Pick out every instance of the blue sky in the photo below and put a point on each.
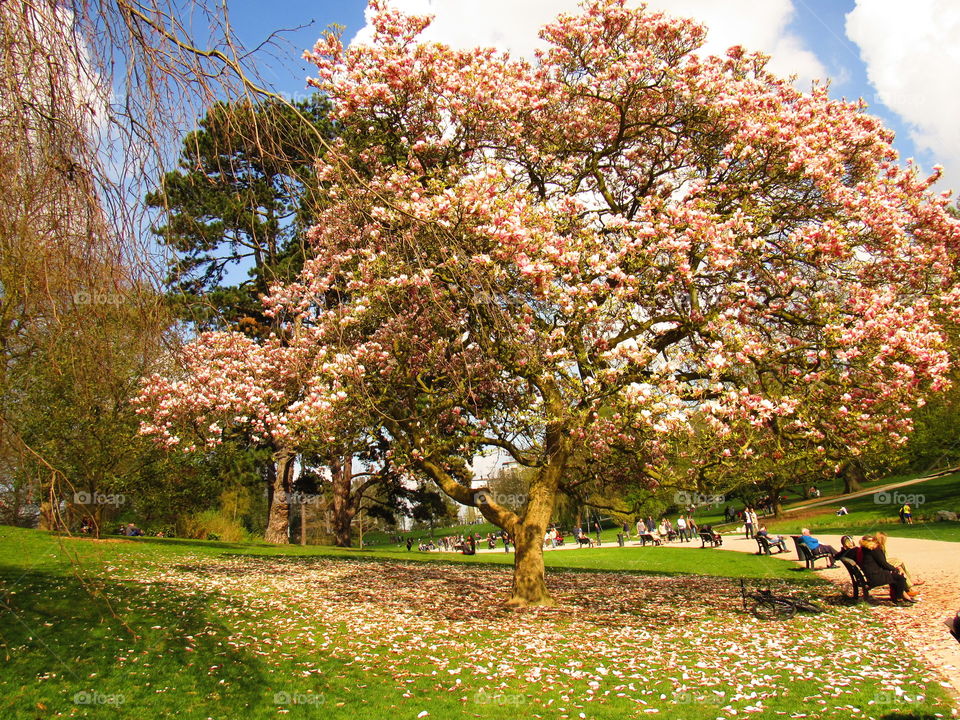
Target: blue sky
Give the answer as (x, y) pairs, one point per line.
(902, 57)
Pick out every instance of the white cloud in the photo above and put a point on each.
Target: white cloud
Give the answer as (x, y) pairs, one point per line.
(507, 24)
(513, 25)
(912, 52)
(755, 25)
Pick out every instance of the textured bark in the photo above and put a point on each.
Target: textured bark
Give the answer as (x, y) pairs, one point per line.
(344, 507)
(527, 529)
(46, 521)
(278, 524)
(269, 475)
(853, 476)
(529, 581)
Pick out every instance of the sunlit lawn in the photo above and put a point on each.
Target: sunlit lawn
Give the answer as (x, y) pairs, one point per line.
(164, 628)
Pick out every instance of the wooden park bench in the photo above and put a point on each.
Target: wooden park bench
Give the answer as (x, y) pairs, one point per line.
(858, 581)
(765, 547)
(804, 554)
(710, 539)
(648, 538)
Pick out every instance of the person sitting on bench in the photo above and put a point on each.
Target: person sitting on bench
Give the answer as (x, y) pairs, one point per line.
(847, 546)
(816, 548)
(873, 561)
(910, 593)
(772, 540)
(713, 534)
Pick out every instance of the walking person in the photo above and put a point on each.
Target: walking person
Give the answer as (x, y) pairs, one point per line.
(749, 517)
(682, 528)
(596, 529)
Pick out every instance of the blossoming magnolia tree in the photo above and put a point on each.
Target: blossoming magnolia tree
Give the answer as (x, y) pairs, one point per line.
(229, 382)
(572, 257)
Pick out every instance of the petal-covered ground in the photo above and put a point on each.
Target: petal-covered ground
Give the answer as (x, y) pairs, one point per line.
(924, 627)
(415, 641)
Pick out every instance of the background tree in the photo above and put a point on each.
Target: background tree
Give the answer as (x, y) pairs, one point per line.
(235, 386)
(242, 196)
(93, 97)
(432, 508)
(239, 202)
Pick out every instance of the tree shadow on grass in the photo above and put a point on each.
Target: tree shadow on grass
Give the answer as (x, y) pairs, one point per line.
(116, 649)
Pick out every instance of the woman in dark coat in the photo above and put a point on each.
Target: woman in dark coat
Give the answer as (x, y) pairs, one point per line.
(873, 561)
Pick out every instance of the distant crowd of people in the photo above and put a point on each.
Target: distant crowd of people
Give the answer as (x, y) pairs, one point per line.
(683, 529)
(466, 544)
(88, 527)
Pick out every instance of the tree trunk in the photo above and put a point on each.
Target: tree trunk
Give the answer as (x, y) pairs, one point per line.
(527, 530)
(269, 475)
(303, 522)
(278, 524)
(853, 476)
(47, 521)
(529, 581)
(343, 509)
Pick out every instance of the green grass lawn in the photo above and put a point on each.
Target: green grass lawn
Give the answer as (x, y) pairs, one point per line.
(150, 628)
(666, 560)
(878, 511)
